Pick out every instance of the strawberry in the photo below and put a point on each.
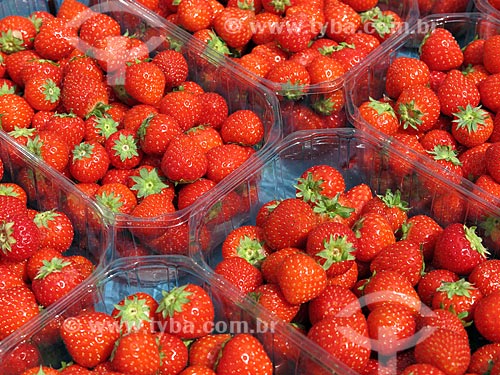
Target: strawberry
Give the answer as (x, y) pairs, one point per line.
(404, 72)
(156, 132)
(319, 181)
(271, 297)
(335, 300)
(20, 237)
(344, 337)
(214, 109)
(16, 62)
(472, 126)
(277, 6)
(431, 281)
(242, 127)
(55, 40)
(488, 90)
(272, 263)
(205, 350)
(9, 278)
(390, 326)
(451, 93)
(293, 76)
(15, 111)
(491, 49)
(298, 31)
(301, 278)
(484, 316)
(72, 126)
(89, 162)
(206, 137)
(491, 156)
(233, 25)
(197, 370)
(97, 26)
(70, 9)
(51, 148)
(152, 205)
(289, 224)
(190, 193)
(23, 357)
(246, 242)
(423, 230)
(324, 69)
(446, 165)
(17, 305)
(459, 297)
(485, 276)
(83, 96)
(421, 369)
(74, 369)
(55, 228)
(55, 279)
(243, 353)
(194, 15)
(440, 50)
(381, 23)
(389, 205)
(459, 249)
(374, 233)
(418, 108)
(145, 82)
(185, 107)
(341, 20)
(225, 159)
(185, 311)
(484, 357)
(380, 115)
(41, 370)
(17, 33)
(123, 149)
(239, 272)
(89, 337)
(174, 66)
(116, 197)
(174, 354)
(136, 353)
(474, 161)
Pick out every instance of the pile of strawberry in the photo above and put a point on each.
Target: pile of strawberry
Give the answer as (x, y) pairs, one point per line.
(34, 270)
(143, 336)
(375, 286)
(129, 129)
(444, 105)
(291, 44)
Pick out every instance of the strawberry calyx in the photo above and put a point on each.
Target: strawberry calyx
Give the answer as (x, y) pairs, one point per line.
(11, 41)
(491, 226)
(393, 200)
(217, 44)
(70, 114)
(280, 5)
(383, 24)
(410, 115)
(325, 106)
(173, 301)
(336, 250)
(22, 132)
(133, 313)
(445, 152)
(148, 182)
(246, 5)
(51, 266)
(332, 208)
(251, 250)
(381, 107)
(405, 229)
(40, 371)
(125, 147)
(370, 14)
(99, 109)
(254, 296)
(51, 91)
(8, 191)
(141, 132)
(7, 239)
(43, 218)
(470, 118)
(106, 125)
(476, 242)
(110, 201)
(34, 145)
(460, 288)
(309, 188)
(83, 151)
(292, 90)
(6, 89)
(37, 22)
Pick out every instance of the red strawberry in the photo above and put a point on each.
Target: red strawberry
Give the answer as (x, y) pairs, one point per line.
(440, 50)
(16, 112)
(185, 311)
(24, 356)
(457, 92)
(205, 350)
(55, 40)
(190, 193)
(485, 276)
(150, 206)
(56, 229)
(301, 278)
(89, 162)
(293, 76)
(342, 20)
(174, 66)
(98, 26)
(246, 242)
(145, 82)
(460, 297)
(483, 357)
(491, 160)
(272, 263)
(474, 161)
(472, 126)
(233, 26)
(82, 96)
(459, 249)
(17, 306)
(271, 297)
(374, 233)
(136, 353)
(184, 106)
(183, 160)
(418, 108)
(379, 115)
(214, 108)
(194, 15)
(297, 32)
(484, 316)
(422, 369)
(489, 90)
(43, 370)
(116, 197)
(225, 159)
(240, 273)
(389, 205)
(18, 33)
(90, 337)
(173, 354)
(289, 224)
(335, 300)
(491, 52)
(20, 237)
(51, 148)
(72, 126)
(404, 72)
(123, 150)
(319, 180)
(242, 127)
(432, 280)
(244, 353)
(206, 136)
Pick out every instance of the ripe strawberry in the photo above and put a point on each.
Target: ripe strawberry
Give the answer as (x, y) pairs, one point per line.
(145, 82)
(21, 358)
(150, 206)
(335, 300)
(289, 224)
(20, 237)
(380, 115)
(156, 132)
(489, 89)
(116, 197)
(440, 50)
(17, 33)
(459, 249)
(474, 161)
(194, 15)
(190, 193)
(136, 353)
(89, 162)
(239, 272)
(41, 370)
(272, 263)
(483, 358)
(325, 69)
(206, 137)
(55, 228)
(418, 108)
(381, 23)
(174, 66)
(185, 311)
(485, 276)
(491, 155)
(301, 278)
(271, 297)
(197, 370)
(233, 26)
(205, 350)
(123, 149)
(9, 278)
(404, 72)
(12, 189)
(136, 312)
(441, 318)
(389, 205)
(472, 126)
(374, 233)
(72, 126)
(297, 32)
(18, 306)
(459, 296)
(55, 40)
(421, 369)
(242, 127)
(112, 53)
(342, 20)
(98, 26)
(82, 96)
(491, 49)
(431, 281)
(451, 93)
(173, 354)
(51, 148)
(484, 317)
(246, 242)
(185, 107)
(89, 337)
(487, 184)
(225, 159)
(15, 111)
(345, 337)
(293, 76)
(319, 181)
(214, 109)
(446, 165)
(244, 353)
